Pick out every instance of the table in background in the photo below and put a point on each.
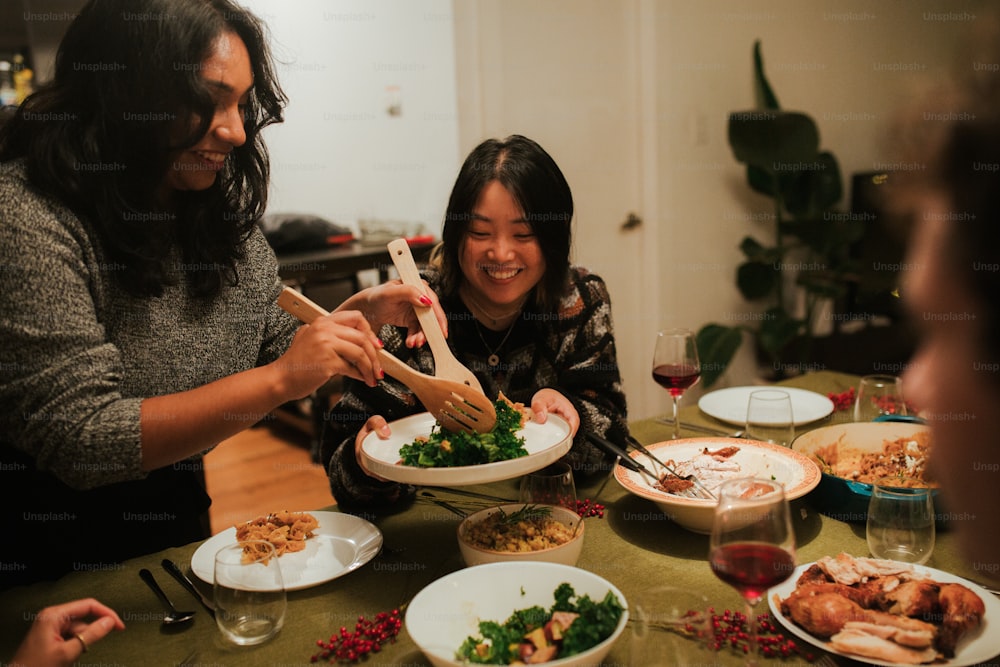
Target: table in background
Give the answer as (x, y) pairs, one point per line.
(342, 262)
(634, 546)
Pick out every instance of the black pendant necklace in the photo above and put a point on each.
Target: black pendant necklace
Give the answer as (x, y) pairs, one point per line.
(494, 359)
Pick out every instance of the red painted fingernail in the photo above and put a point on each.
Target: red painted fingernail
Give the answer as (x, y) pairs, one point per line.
(380, 343)
(381, 374)
(424, 300)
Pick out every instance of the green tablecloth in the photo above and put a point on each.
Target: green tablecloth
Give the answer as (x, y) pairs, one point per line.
(633, 546)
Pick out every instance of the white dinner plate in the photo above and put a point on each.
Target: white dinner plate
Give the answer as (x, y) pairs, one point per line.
(341, 543)
(730, 404)
(545, 443)
(978, 646)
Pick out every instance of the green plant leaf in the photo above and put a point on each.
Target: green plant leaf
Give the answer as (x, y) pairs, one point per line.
(752, 248)
(813, 188)
(761, 181)
(766, 99)
(777, 330)
(717, 345)
(773, 140)
(757, 279)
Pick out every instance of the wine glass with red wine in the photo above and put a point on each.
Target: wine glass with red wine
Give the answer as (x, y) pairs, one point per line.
(752, 547)
(675, 365)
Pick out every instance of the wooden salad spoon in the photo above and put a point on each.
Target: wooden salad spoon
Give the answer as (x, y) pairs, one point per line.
(445, 364)
(456, 406)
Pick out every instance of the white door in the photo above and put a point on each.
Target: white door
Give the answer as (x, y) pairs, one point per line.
(567, 74)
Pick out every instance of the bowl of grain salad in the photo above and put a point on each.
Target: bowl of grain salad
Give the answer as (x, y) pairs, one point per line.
(521, 532)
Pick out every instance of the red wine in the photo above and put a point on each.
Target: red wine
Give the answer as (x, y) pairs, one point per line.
(675, 378)
(751, 567)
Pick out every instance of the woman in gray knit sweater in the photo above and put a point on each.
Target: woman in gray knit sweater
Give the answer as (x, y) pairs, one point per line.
(524, 320)
(139, 325)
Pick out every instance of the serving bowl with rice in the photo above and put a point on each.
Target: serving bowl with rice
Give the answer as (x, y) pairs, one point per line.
(852, 456)
(521, 532)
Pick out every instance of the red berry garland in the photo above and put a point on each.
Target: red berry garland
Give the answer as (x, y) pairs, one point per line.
(587, 508)
(842, 401)
(730, 630)
(368, 637)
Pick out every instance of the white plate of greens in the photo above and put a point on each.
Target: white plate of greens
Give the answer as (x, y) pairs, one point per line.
(544, 443)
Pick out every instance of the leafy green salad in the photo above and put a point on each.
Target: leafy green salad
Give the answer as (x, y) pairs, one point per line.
(444, 448)
(572, 625)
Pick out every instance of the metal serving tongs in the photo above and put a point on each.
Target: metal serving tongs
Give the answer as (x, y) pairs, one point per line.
(697, 491)
(445, 364)
(456, 406)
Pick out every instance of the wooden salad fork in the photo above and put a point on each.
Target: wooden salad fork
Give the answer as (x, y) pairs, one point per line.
(445, 364)
(456, 406)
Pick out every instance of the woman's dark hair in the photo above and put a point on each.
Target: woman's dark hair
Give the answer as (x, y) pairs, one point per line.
(537, 185)
(99, 137)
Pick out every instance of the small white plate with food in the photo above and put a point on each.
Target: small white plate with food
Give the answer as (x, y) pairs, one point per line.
(889, 613)
(338, 544)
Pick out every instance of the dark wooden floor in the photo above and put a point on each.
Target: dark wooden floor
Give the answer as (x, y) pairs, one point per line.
(264, 469)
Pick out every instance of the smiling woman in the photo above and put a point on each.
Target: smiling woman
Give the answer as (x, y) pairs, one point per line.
(227, 74)
(133, 221)
(521, 318)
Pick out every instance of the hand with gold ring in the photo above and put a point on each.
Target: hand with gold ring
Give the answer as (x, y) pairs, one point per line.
(62, 633)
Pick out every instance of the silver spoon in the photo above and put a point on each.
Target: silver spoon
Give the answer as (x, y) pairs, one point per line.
(174, 616)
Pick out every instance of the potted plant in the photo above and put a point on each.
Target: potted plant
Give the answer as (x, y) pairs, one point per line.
(808, 260)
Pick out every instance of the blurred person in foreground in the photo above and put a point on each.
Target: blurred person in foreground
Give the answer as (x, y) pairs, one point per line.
(952, 289)
(61, 634)
(138, 294)
(522, 318)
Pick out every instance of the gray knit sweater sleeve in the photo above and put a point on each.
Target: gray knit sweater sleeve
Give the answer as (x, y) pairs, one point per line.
(78, 354)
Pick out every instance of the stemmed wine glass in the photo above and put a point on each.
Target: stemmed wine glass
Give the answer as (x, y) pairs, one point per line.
(752, 546)
(675, 365)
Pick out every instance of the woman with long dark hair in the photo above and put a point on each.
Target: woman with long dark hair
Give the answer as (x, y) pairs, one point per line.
(521, 317)
(138, 294)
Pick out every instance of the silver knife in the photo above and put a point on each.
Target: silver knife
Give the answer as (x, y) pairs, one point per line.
(702, 429)
(182, 579)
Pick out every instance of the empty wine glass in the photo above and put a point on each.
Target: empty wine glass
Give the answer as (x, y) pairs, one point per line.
(879, 395)
(249, 594)
(675, 365)
(671, 627)
(901, 521)
(752, 546)
(552, 485)
(769, 417)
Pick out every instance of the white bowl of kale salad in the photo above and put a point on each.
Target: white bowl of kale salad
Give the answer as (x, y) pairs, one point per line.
(502, 613)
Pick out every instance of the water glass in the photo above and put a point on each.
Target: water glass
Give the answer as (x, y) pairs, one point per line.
(670, 627)
(552, 485)
(900, 521)
(250, 596)
(770, 418)
(879, 395)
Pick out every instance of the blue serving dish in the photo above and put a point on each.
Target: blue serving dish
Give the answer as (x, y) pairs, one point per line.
(846, 499)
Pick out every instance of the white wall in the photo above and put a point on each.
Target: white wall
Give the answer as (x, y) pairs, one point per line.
(850, 64)
(340, 153)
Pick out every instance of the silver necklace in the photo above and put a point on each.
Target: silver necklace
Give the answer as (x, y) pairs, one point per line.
(494, 359)
(490, 316)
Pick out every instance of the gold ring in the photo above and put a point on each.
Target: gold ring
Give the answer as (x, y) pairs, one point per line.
(82, 643)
